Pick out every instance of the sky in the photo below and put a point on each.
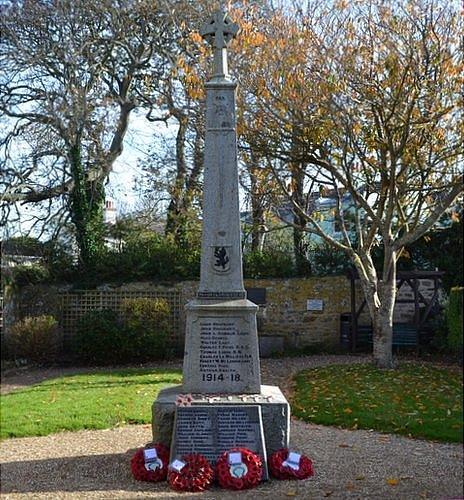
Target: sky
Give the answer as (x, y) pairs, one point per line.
(141, 134)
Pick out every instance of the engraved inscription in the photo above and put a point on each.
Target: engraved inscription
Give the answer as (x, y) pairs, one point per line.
(194, 432)
(221, 295)
(223, 111)
(225, 350)
(211, 430)
(237, 428)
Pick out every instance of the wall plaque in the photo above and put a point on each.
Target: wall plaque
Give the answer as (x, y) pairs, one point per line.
(213, 429)
(314, 305)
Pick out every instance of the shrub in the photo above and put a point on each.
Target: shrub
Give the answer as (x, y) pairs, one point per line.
(53, 261)
(29, 274)
(438, 325)
(147, 322)
(101, 338)
(326, 260)
(35, 339)
(268, 264)
(148, 257)
(138, 334)
(454, 318)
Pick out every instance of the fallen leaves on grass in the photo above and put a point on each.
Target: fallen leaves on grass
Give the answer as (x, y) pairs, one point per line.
(417, 400)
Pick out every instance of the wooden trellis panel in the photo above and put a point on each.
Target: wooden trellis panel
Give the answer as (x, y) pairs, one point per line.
(78, 303)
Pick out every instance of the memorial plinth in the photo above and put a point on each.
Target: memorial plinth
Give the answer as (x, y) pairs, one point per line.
(275, 413)
(221, 370)
(221, 348)
(212, 429)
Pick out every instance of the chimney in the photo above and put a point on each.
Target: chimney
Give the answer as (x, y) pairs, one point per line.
(110, 211)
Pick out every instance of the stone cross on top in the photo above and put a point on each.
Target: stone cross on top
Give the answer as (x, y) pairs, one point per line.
(219, 31)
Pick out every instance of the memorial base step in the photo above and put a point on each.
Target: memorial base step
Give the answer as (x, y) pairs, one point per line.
(275, 412)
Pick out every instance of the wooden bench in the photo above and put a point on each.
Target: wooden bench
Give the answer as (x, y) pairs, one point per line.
(404, 334)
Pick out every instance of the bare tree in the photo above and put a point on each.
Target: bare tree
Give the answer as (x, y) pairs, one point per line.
(179, 105)
(71, 74)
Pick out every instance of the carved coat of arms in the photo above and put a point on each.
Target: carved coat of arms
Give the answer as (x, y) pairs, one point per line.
(221, 259)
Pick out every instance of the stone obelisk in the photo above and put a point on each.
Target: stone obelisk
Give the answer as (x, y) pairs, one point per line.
(221, 350)
(221, 403)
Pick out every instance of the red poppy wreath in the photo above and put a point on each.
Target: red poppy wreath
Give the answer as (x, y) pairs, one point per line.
(192, 473)
(150, 463)
(285, 464)
(239, 469)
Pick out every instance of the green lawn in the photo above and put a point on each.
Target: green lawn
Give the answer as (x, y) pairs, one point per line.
(415, 400)
(90, 401)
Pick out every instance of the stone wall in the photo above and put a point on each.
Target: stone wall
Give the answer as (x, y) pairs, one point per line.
(285, 315)
(283, 321)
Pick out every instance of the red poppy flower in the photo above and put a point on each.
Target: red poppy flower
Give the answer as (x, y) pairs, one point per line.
(240, 476)
(155, 470)
(196, 475)
(280, 470)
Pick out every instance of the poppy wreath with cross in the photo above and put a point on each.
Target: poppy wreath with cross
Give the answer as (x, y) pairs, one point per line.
(280, 470)
(152, 470)
(195, 475)
(239, 476)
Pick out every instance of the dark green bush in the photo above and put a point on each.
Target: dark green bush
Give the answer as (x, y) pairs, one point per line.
(439, 340)
(29, 274)
(139, 333)
(148, 257)
(454, 317)
(59, 261)
(35, 339)
(427, 252)
(268, 264)
(54, 262)
(147, 322)
(102, 338)
(326, 260)
(23, 245)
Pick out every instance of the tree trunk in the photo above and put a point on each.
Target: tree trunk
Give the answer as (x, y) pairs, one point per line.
(380, 297)
(382, 323)
(302, 265)
(257, 209)
(175, 217)
(87, 205)
(297, 168)
(257, 234)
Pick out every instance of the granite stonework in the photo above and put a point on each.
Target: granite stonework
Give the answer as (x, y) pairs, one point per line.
(221, 348)
(275, 412)
(214, 429)
(221, 257)
(227, 406)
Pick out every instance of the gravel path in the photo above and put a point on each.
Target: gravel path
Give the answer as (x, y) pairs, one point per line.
(348, 464)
